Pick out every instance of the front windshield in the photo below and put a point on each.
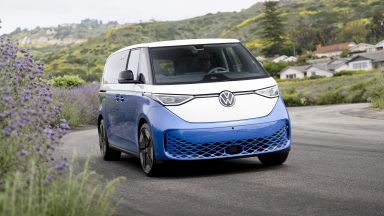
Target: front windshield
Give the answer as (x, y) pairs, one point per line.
(204, 63)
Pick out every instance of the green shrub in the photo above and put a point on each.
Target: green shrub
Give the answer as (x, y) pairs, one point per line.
(378, 102)
(273, 68)
(291, 100)
(343, 73)
(67, 81)
(294, 99)
(316, 77)
(330, 97)
(375, 92)
(291, 90)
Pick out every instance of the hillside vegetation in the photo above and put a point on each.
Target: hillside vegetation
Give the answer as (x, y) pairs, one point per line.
(356, 87)
(307, 23)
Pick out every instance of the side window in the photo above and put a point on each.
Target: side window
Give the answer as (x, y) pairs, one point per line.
(133, 62)
(115, 64)
(144, 67)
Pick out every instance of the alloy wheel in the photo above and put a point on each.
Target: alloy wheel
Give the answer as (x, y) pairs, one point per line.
(146, 150)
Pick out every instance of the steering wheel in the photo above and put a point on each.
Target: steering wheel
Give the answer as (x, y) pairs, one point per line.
(217, 70)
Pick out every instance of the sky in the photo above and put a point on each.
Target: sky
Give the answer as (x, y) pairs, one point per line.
(46, 13)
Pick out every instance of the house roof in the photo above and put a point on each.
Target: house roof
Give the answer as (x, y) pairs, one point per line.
(336, 63)
(334, 48)
(327, 63)
(280, 58)
(361, 47)
(322, 66)
(302, 68)
(364, 44)
(316, 61)
(380, 44)
(374, 56)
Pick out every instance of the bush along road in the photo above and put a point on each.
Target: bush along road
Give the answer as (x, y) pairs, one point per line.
(32, 181)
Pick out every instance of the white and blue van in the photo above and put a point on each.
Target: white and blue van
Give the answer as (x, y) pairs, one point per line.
(194, 99)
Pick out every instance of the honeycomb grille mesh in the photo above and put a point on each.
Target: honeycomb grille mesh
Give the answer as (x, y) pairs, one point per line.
(179, 148)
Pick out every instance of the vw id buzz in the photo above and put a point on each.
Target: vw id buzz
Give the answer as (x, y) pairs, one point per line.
(195, 99)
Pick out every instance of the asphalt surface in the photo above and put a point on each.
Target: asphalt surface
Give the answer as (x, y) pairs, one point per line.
(336, 167)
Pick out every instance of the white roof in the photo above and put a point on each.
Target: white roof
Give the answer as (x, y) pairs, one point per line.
(380, 44)
(280, 58)
(180, 43)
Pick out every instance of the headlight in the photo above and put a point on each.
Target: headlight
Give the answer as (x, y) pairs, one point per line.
(170, 100)
(270, 92)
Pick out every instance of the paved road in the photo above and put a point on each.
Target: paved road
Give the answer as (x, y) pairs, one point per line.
(336, 168)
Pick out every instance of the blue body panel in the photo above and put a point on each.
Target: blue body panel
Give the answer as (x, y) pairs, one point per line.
(177, 139)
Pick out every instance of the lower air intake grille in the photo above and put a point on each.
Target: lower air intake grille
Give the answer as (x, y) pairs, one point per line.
(179, 148)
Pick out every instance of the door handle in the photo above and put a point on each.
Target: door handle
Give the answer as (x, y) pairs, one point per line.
(117, 98)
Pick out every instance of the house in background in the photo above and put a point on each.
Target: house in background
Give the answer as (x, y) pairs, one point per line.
(362, 48)
(294, 72)
(367, 61)
(301, 72)
(380, 46)
(337, 65)
(317, 67)
(318, 70)
(333, 50)
(261, 59)
(285, 58)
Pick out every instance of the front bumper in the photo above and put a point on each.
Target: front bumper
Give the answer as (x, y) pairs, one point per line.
(176, 139)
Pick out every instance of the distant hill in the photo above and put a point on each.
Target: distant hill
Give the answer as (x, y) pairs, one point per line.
(307, 23)
(47, 39)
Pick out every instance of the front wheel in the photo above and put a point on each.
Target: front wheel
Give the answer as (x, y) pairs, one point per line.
(147, 154)
(273, 159)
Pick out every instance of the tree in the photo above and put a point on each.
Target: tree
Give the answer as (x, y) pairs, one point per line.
(273, 29)
(355, 31)
(303, 38)
(376, 27)
(326, 35)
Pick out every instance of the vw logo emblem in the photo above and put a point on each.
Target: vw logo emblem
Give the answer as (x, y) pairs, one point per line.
(227, 98)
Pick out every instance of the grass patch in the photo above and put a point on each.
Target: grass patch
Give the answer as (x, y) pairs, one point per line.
(32, 193)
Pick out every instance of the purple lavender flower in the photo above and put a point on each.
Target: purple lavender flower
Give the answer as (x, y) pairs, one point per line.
(62, 165)
(23, 152)
(28, 114)
(64, 126)
(48, 132)
(49, 179)
(7, 99)
(7, 131)
(28, 111)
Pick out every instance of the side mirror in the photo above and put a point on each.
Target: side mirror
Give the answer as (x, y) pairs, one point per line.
(126, 76)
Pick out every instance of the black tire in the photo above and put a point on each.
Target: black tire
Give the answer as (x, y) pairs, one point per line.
(147, 155)
(273, 159)
(107, 153)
